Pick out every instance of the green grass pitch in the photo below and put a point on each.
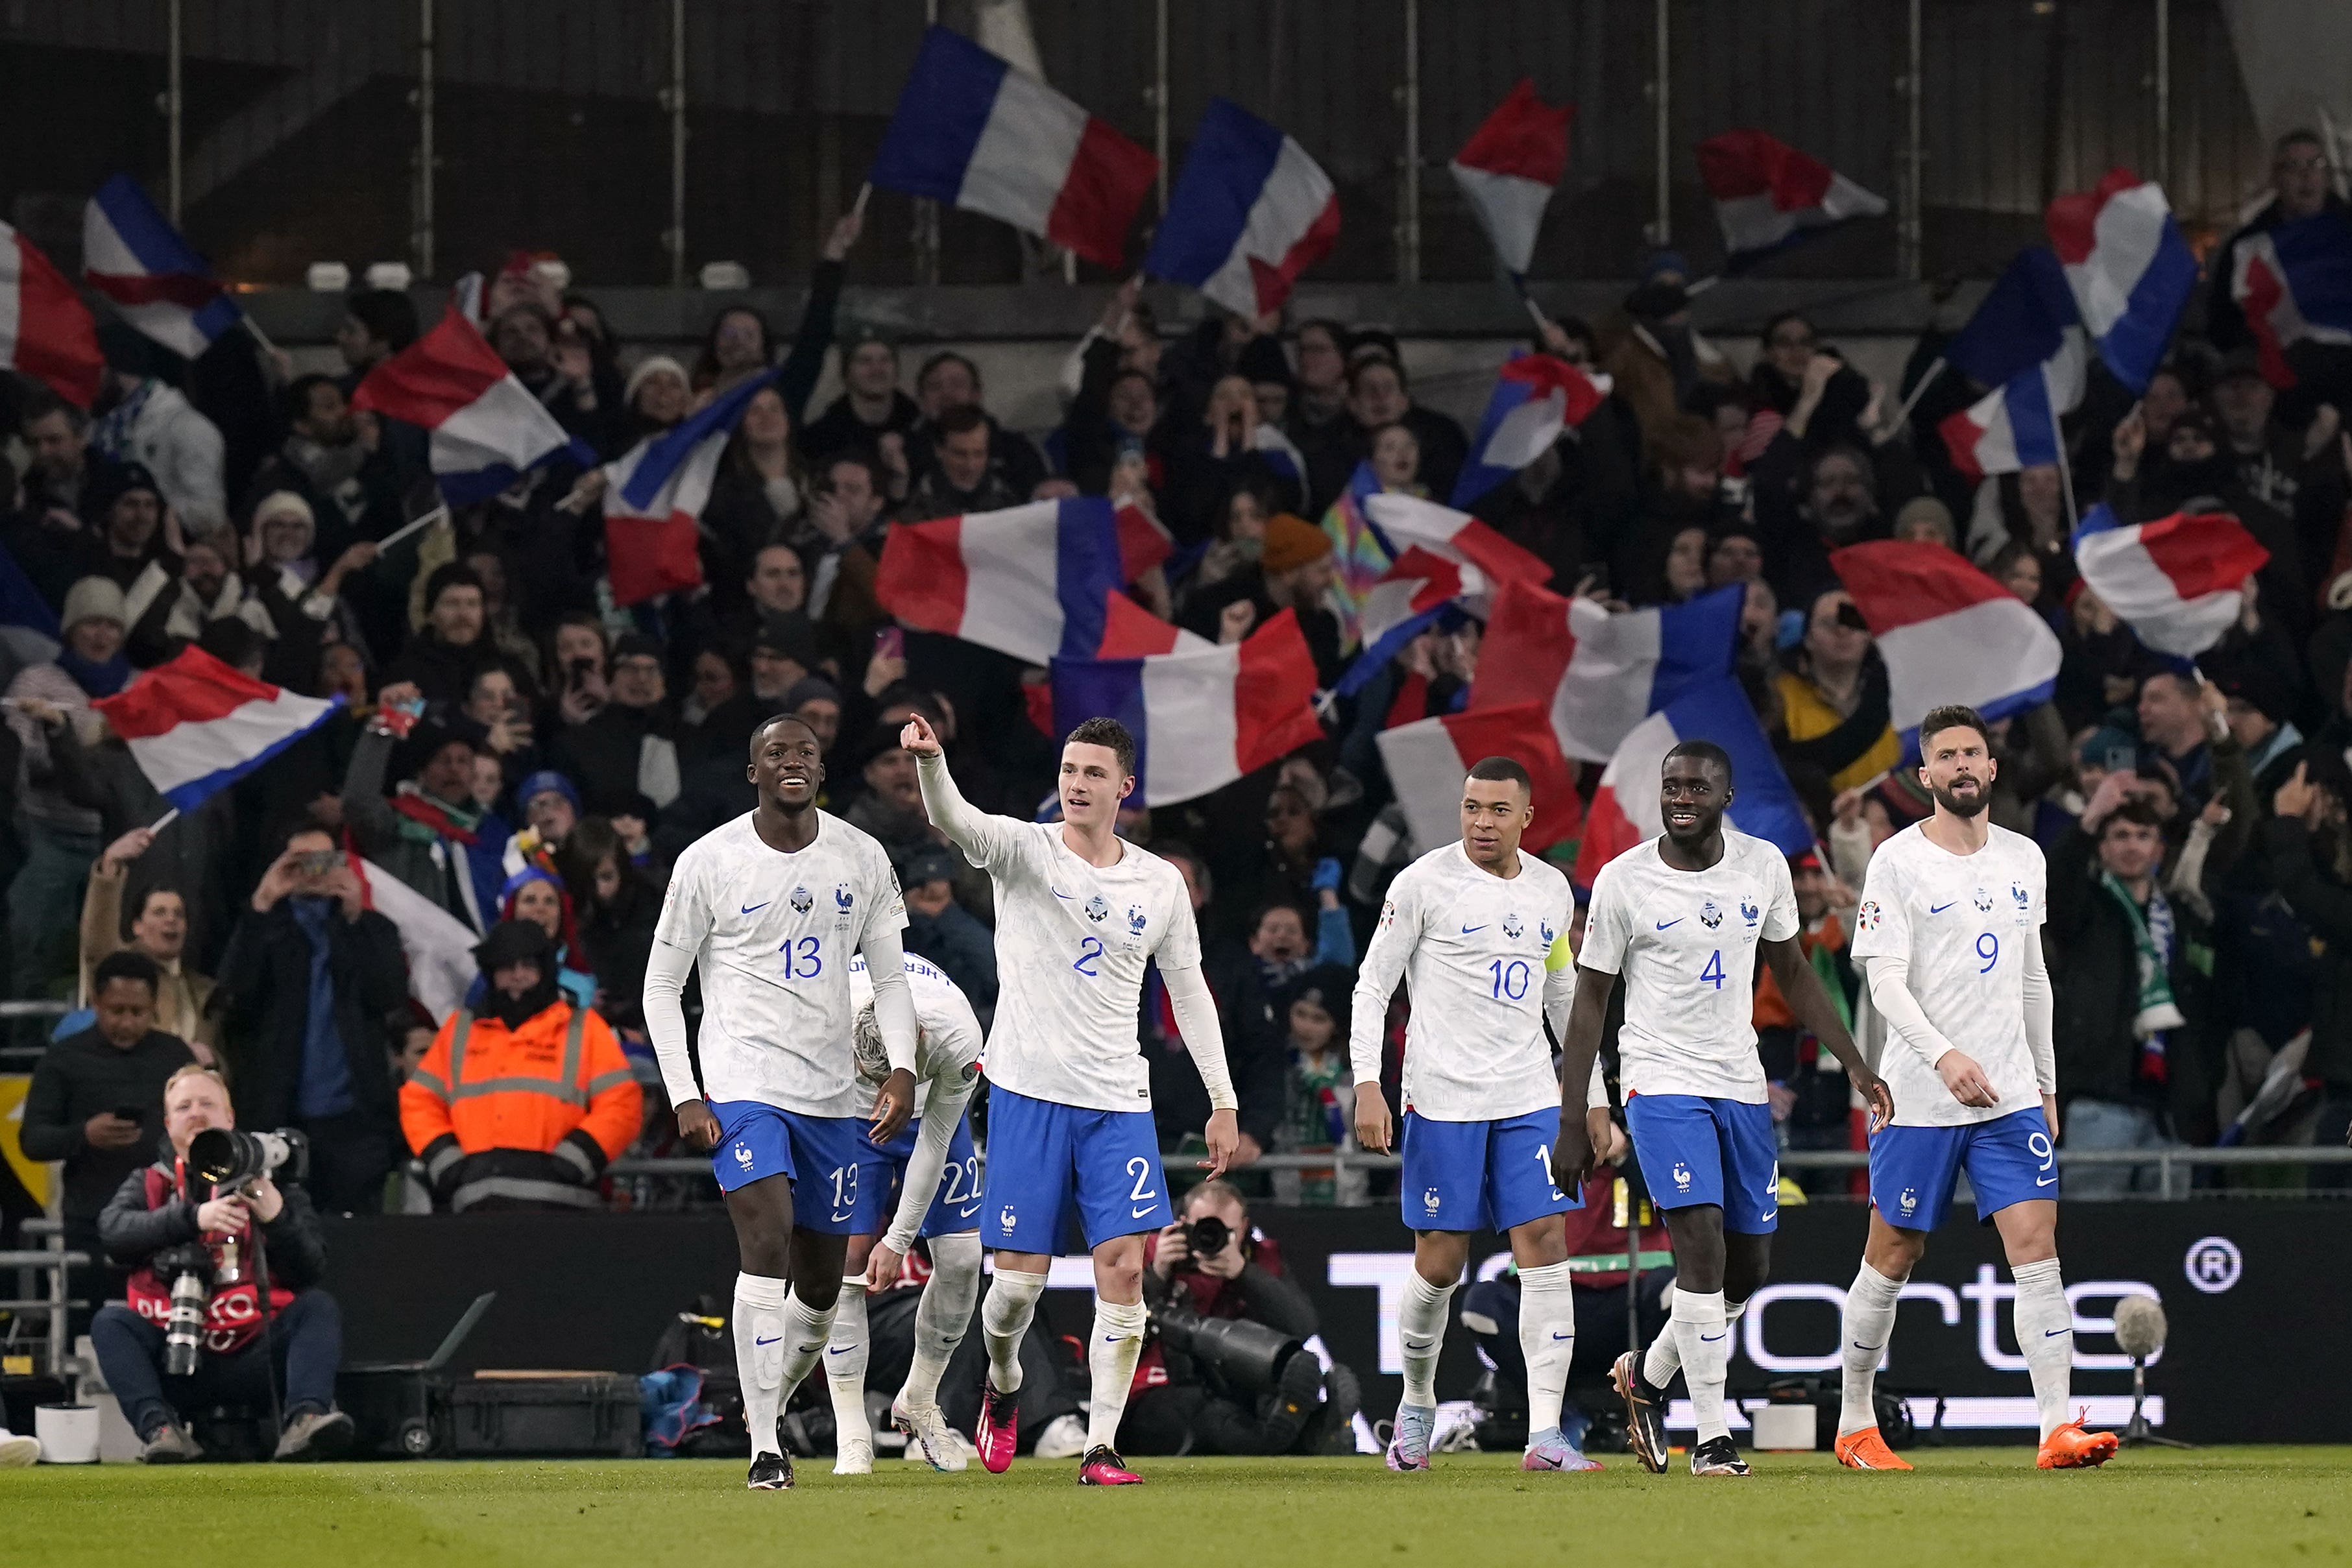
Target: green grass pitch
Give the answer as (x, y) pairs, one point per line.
(2271, 1505)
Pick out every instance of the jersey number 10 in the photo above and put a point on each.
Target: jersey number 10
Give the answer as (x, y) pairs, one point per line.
(1511, 976)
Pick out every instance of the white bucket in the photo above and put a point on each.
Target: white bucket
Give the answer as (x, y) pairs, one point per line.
(68, 1434)
(1787, 1428)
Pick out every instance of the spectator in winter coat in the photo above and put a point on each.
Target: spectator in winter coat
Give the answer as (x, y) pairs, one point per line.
(944, 931)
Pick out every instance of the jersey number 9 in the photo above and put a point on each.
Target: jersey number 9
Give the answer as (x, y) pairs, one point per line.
(1989, 949)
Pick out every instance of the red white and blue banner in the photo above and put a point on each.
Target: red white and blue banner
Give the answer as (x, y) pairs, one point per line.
(1413, 595)
(655, 494)
(1768, 195)
(1030, 580)
(1250, 212)
(45, 331)
(2176, 580)
(195, 726)
(1949, 632)
(1509, 169)
(133, 255)
(1626, 808)
(1536, 397)
(487, 429)
(1598, 675)
(1400, 522)
(972, 132)
(2130, 270)
(1428, 759)
(2295, 284)
(2015, 426)
(2020, 323)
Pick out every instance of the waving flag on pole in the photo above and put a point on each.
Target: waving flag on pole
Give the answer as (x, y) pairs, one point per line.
(1625, 810)
(2130, 270)
(2016, 426)
(1416, 594)
(487, 429)
(195, 725)
(132, 255)
(2021, 322)
(1598, 675)
(1250, 212)
(1030, 580)
(1949, 632)
(2174, 582)
(654, 496)
(972, 132)
(1508, 168)
(1356, 550)
(1536, 397)
(1768, 195)
(1400, 522)
(1428, 759)
(45, 331)
(1201, 716)
(2295, 283)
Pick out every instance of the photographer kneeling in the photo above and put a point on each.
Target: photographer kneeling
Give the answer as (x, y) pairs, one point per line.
(197, 1252)
(1227, 1370)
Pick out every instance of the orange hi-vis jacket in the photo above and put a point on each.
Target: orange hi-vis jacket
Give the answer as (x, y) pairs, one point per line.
(521, 1118)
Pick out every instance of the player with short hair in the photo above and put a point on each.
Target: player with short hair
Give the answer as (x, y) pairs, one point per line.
(770, 907)
(1683, 919)
(935, 1174)
(1479, 934)
(1079, 914)
(1948, 935)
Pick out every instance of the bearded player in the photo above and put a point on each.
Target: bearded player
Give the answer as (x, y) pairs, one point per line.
(1950, 936)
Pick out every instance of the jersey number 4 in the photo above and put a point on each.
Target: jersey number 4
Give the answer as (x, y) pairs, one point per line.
(1714, 970)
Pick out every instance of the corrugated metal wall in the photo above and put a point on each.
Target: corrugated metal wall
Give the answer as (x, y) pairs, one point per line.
(299, 137)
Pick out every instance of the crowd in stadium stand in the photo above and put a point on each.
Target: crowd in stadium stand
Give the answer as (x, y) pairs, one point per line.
(563, 751)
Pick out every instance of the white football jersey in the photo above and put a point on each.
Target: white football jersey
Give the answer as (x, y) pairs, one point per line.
(949, 1049)
(1684, 944)
(772, 934)
(1962, 923)
(1475, 949)
(1072, 941)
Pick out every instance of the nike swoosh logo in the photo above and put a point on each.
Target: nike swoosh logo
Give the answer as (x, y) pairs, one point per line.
(837, 1218)
(754, 908)
(1140, 1212)
(1859, 1345)
(1418, 1348)
(1059, 893)
(1561, 1336)
(2052, 1182)
(2053, 1334)
(839, 1349)
(1711, 1338)
(807, 1349)
(1677, 920)
(1939, 908)
(1769, 1214)
(1466, 930)
(777, 1339)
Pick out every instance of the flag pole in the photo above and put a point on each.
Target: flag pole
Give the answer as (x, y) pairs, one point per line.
(437, 515)
(163, 821)
(260, 337)
(1911, 397)
(2066, 469)
(857, 208)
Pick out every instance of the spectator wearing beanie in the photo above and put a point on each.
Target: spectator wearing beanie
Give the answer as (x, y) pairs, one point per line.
(623, 748)
(442, 660)
(128, 535)
(427, 831)
(1293, 570)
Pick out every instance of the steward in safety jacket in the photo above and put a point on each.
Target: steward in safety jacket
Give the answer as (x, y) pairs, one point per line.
(523, 1104)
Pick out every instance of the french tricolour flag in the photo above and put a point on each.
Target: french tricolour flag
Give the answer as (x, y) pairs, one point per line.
(195, 725)
(2130, 270)
(977, 134)
(1201, 715)
(1413, 595)
(1768, 194)
(1249, 214)
(654, 496)
(1600, 675)
(2174, 580)
(2020, 323)
(1536, 397)
(1508, 168)
(1625, 810)
(132, 255)
(2295, 282)
(45, 331)
(1032, 580)
(1949, 632)
(485, 428)
(1428, 759)
(2015, 425)
(1400, 522)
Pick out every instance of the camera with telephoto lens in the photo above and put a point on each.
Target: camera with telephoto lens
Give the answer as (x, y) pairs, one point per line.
(189, 1267)
(1247, 1357)
(1206, 1236)
(232, 1159)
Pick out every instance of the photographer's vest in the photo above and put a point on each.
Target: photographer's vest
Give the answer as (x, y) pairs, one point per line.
(234, 1316)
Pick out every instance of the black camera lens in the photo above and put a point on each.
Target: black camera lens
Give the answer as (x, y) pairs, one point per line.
(1208, 1236)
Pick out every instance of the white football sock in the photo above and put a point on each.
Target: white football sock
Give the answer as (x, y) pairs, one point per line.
(844, 1362)
(1664, 1356)
(2045, 1336)
(1112, 1351)
(1003, 1319)
(1546, 1340)
(1868, 1324)
(1420, 1326)
(942, 1314)
(1705, 1333)
(759, 1355)
(806, 1331)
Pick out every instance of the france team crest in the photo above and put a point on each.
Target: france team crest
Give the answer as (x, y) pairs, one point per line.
(803, 901)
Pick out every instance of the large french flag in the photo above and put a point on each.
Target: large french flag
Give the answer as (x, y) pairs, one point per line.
(1400, 522)
(2295, 283)
(2174, 581)
(2015, 425)
(1249, 214)
(2130, 269)
(487, 429)
(977, 134)
(1625, 810)
(654, 496)
(1600, 675)
(1508, 168)
(133, 255)
(1949, 632)
(45, 331)
(1032, 580)
(1768, 194)
(1428, 759)
(1413, 596)
(1536, 397)
(2020, 323)
(1201, 715)
(195, 725)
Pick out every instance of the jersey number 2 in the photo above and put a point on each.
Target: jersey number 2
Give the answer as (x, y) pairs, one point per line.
(1090, 949)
